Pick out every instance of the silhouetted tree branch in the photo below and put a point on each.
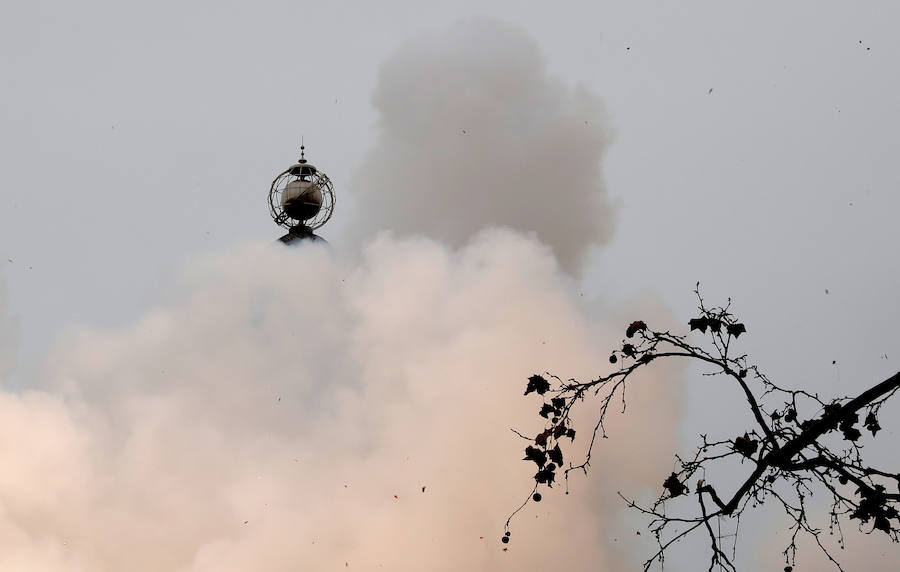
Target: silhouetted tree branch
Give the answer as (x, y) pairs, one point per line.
(798, 445)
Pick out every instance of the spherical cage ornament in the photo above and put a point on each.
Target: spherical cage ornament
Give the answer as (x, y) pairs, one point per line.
(301, 195)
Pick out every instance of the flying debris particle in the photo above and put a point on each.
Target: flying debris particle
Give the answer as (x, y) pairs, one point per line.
(710, 91)
(834, 362)
(423, 489)
(246, 521)
(628, 48)
(883, 356)
(464, 131)
(638, 532)
(396, 497)
(826, 290)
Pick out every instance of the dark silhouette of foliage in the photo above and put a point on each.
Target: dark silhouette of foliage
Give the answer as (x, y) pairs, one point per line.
(799, 445)
(538, 384)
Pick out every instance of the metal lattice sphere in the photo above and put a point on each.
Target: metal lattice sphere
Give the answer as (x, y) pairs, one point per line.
(301, 195)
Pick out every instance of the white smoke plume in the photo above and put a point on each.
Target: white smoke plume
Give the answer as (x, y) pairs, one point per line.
(473, 131)
(298, 409)
(267, 421)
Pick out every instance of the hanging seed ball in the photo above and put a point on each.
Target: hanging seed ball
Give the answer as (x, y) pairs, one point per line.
(537, 497)
(507, 533)
(613, 358)
(505, 540)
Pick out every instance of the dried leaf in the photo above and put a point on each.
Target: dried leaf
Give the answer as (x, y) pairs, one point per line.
(541, 438)
(872, 424)
(537, 384)
(546, 410)
(545, 476)
(745, 445)
(851, 433)
(699, 324)
(536, 455)
(555, 455)
(635, 327)
(736, 329)
(674, 486)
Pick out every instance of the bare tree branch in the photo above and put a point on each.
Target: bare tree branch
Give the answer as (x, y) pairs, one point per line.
(790, 459)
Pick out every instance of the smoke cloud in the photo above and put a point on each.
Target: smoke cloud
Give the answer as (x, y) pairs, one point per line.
(473, 131)
(297, 411)
(301, 409)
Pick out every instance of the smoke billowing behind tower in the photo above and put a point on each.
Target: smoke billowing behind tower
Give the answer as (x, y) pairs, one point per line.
(474, 131)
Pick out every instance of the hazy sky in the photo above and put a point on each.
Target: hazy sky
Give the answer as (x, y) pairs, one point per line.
(751, 147)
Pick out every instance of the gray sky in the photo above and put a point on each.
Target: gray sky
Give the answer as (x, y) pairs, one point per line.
(753, 151)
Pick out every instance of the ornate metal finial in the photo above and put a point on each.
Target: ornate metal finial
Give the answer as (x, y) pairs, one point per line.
(301, 196)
